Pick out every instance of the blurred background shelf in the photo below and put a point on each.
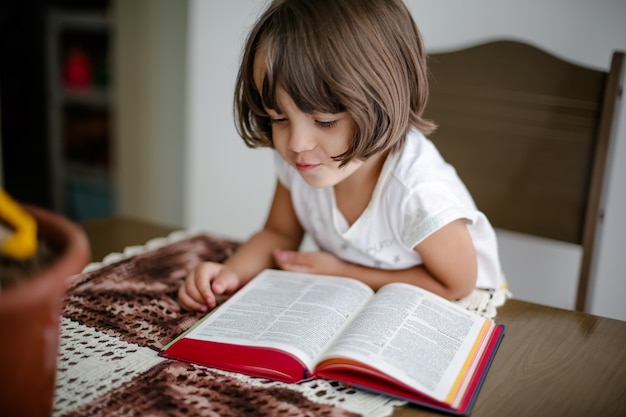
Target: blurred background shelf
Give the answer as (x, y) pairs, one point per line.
(78, 52)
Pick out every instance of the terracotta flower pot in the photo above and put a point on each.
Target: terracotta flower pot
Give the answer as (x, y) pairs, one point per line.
(29, 320)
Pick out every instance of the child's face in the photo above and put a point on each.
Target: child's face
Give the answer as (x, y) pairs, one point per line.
(309, 141)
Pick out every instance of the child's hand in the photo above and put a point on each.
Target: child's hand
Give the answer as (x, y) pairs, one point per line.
(311, 262)
(202, 285)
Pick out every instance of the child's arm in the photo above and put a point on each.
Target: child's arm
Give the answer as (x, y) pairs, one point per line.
(449, 269)
(281, 230)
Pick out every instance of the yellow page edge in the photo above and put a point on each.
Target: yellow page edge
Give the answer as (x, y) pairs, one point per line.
(468, 361)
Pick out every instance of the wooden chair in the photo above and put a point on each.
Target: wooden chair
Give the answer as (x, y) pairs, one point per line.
(529, 134)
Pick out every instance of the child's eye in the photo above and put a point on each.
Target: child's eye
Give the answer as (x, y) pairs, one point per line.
(326, 124)
(276, 120)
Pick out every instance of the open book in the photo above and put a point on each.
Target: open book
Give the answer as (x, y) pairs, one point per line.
(401, 341)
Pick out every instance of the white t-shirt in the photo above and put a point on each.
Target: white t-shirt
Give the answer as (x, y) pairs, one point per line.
(416, 194)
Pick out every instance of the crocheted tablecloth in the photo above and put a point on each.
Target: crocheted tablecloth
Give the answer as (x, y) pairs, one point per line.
(119, 313)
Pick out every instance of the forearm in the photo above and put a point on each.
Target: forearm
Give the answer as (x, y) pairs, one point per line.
(256, 254)
(417, 275)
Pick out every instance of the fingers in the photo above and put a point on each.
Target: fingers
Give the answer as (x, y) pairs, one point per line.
(192, 295)
(200, 280)
(198, 291)
(291, 260)
(189, 303)
(225, 283)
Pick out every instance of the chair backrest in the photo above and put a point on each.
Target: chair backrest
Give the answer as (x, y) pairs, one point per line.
(528, 133)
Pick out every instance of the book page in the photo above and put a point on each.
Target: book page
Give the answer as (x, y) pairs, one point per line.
(299, 313)
(416, 337)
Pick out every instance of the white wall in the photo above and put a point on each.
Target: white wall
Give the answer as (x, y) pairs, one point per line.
(229, 186)
(150, 64)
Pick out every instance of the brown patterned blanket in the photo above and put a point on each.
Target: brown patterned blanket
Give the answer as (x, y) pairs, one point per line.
(120, 313)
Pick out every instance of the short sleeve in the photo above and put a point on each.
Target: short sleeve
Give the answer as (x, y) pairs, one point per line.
(428, 209)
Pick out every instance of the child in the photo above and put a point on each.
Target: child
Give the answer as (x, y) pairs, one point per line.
(337, 88)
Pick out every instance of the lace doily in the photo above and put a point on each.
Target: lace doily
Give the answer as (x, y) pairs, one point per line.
(120, 312)
(91, 363)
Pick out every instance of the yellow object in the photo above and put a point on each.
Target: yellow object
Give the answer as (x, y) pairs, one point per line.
(19, 239)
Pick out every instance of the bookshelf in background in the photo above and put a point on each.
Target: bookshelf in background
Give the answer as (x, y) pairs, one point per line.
(80, 113)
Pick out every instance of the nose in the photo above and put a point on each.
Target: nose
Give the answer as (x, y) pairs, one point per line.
(301, 139)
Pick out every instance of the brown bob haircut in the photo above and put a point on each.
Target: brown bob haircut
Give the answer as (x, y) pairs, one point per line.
(364, 57)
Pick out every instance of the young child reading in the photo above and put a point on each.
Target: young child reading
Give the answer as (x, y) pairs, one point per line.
(338, 88)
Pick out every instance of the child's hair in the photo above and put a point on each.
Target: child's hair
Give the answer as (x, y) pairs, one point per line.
(364, 57)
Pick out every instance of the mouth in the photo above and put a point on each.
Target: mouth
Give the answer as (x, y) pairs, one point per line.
(302, 167)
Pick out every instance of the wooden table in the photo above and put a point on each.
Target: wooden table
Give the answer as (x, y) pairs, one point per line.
(551, 362)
